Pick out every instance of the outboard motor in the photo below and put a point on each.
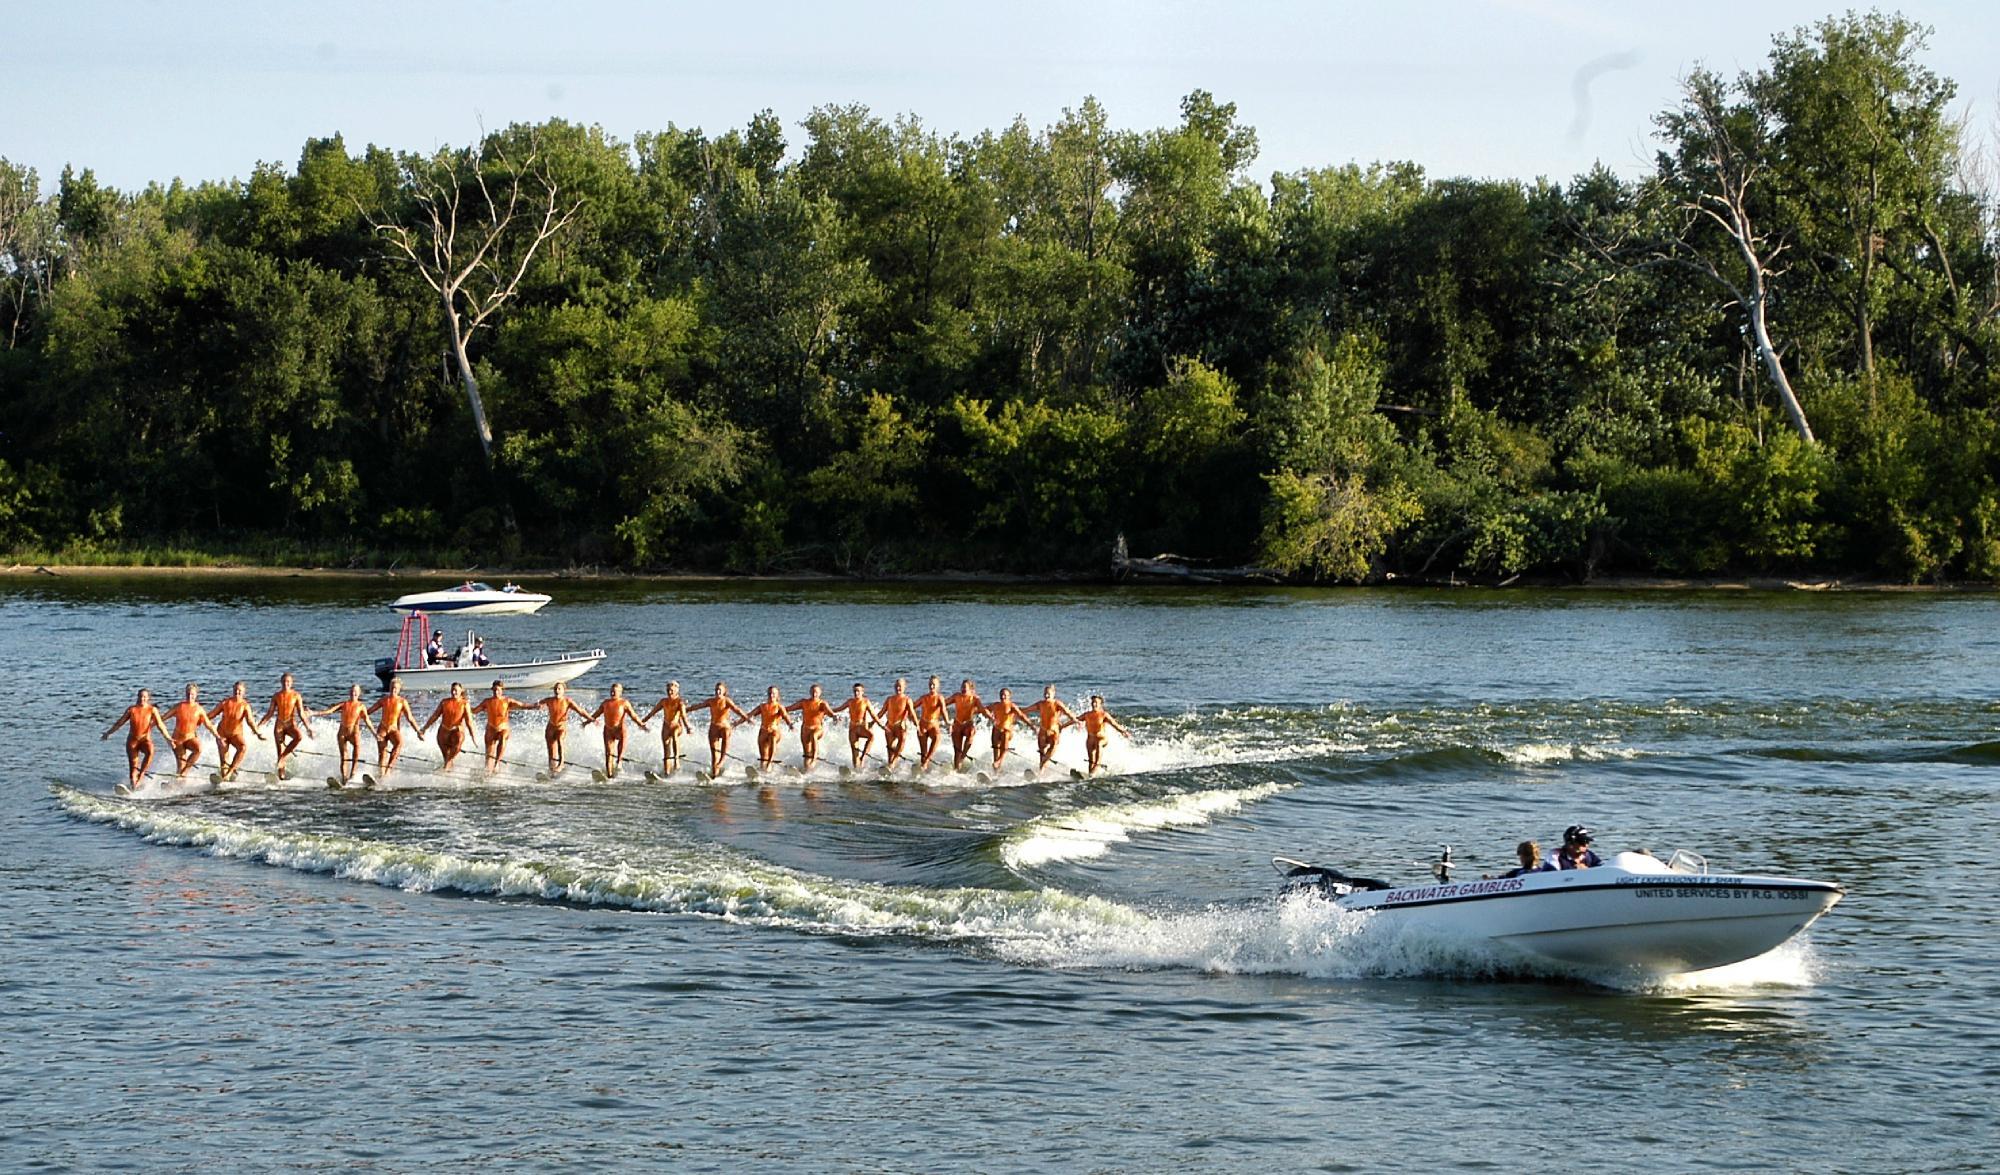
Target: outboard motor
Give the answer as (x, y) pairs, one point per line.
(1319, 881)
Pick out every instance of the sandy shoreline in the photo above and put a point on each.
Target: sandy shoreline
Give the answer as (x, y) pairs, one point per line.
(453, 575)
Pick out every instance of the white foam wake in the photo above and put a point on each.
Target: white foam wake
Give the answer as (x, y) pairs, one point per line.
(1090, 832)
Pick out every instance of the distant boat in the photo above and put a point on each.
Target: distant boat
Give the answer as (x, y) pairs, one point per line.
(473, 599)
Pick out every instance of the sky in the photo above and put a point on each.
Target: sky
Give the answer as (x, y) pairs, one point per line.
(150, 90)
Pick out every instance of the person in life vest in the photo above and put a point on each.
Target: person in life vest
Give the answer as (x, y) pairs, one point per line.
(434, 651)
(1576, 852)
(144, 718)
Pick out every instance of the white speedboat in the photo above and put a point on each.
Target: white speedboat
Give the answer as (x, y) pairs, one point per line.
(472, 599)
(1633, 914)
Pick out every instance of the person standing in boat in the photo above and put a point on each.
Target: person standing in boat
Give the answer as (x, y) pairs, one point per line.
(453, 718)
(1576, 852)
(719, 708)
(394, 710)
(144, 718)
(496, 709)
(556, 709)
(230, 718)
(673, 712)
(291, 724)
(612, 716)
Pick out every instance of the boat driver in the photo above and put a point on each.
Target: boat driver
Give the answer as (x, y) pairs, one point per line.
(434, 652)
(1576, 853)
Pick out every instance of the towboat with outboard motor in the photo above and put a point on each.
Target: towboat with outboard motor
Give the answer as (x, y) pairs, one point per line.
(413, 663)
(1633, 914)
(472, 598)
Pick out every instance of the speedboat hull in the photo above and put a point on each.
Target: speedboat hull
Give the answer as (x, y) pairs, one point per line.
(1632, 915)
(475, 601)
(524, 675)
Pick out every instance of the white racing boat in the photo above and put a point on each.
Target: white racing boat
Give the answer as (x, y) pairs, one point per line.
(472, 599)
(1632, 914)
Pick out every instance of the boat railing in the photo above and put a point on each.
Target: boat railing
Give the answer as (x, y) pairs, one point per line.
(1687, 861)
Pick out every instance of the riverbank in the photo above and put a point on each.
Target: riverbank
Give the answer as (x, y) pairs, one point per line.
(1637, 583)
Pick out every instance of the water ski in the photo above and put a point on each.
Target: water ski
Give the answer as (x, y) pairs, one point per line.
(597, 776)
(982, 777)
(215, 777)
(847, 773)
(333, 781)
(653, 776)
(123, 789)
(368, 781)
(1075, 774)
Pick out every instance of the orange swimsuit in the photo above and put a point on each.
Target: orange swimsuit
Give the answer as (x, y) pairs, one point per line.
(770, 714)
(613, 714)
(351, 714)
(898, 710)
(285, 706)
(559, 710)
(965, 707)
(495, 711)
(1003, 715)
(858, 712)
(718, 713)
(813, 713)
(930, 711)
(187, 718)
(144, 719)
(392, 708)
(229, 718)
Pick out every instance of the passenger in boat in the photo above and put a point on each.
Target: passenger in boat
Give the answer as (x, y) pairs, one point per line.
(1050, 718)
(930, 723)
(673, 712)
(813, 713)
(479, 658)
(966, 709)
(1576, 853)
(898, 711)
(1530, 853)
(612, 715)
(144, 718)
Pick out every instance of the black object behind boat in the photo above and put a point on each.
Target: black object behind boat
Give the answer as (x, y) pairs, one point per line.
(1320, 881)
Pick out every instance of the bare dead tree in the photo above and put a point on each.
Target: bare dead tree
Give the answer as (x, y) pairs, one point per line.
(481, 216)
(1713, 187)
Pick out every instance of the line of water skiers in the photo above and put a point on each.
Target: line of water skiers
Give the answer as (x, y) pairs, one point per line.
(291, 723)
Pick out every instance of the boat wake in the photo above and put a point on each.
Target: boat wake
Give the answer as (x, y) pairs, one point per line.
(1043, 927)
(1090, 832)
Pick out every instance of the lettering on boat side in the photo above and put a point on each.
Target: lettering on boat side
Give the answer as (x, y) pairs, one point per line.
(1457, 890)
(1720, 894)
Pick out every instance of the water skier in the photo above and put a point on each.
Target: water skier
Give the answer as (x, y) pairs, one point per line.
(394, 710)
(965, 711)
(290, 724)
(813, 712)
(347, 739)
(860, 714)
(719, 708)
(673, 712)
(1002, 715)
(768, 716)
(898, 711)
(1050, 718)
(453, 718)
(144, 718)
(1094, 722)
(230, 718)
(495, 709)
(611, 716)
(930, 724)
(189, 716)
(556, 709)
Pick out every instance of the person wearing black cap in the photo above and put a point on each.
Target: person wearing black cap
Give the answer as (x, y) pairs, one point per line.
(1575, 853)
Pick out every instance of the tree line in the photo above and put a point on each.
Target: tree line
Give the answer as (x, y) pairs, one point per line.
(882, 348)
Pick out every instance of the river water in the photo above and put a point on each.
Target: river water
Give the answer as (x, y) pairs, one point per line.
(901, 975)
